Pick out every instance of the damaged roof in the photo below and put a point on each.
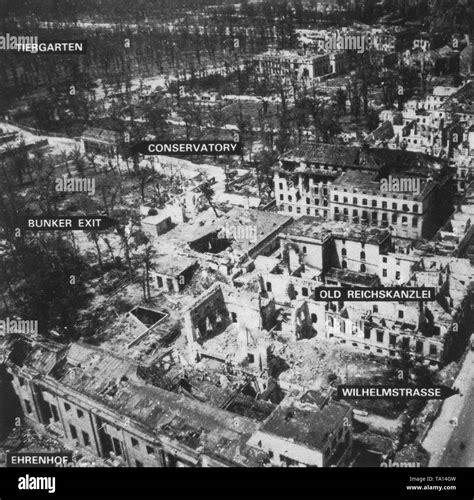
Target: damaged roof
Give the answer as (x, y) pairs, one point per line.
(361, 157)
(330, 154)
(113, 381)
(100, 134)
(318, 227)
(307, 426)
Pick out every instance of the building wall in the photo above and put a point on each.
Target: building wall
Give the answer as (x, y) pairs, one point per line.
(338, 62)
(354, 255)
(317, 318)
(313, 193)
(84, 425)
(171, 283)
(204, 313)
(283, 452)
(277, 285)
(297, 66)
(407, 217)
(412, 219)
(307, 251)
(357, 256)
(300, 198)
(166, 282)
(375, 338)
(216, 309)
(111, 434)
(394, 269)
(161, 227)
(99, 147)
(23, 388)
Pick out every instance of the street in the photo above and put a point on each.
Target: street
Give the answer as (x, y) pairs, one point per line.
(444, 439)
(453, 455)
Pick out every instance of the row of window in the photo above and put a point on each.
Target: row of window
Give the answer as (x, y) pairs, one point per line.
(375, 309)
(304, 291)
(80, 413)
(433, 349)
(366, 347)
(85, 436)
(169, 283)
(397, 274)
(365, 215)
(308, 200)
(283, 458)
(136, 444)
(344, 254)
(384, 205)
(342, 324)
(289, 208)
(86, 441)
(363, 267)
(324, 190)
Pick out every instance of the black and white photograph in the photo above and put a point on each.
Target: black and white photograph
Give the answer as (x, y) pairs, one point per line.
(236, 235)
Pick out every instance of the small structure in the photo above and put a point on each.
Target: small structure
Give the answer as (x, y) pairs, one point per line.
(100, 141)
(6, 136)
(307, 434)
(157, 224)
(148, 209)
(173, 273)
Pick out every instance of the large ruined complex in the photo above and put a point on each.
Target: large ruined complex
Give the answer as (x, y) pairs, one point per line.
(198, 376)
(237, 234)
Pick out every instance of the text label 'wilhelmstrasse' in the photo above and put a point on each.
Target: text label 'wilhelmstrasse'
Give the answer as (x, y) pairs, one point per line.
(376, 392)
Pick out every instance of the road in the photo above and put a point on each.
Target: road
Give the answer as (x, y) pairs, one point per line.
(445, 436)
(453, 456)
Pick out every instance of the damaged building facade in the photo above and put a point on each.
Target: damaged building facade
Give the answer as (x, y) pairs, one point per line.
(316, 252)
(300, 67)
(356, 184)
(240, 314)
(108, 406)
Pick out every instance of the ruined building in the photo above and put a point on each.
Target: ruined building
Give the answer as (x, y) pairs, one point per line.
(317, 252)
(165, 415)
(356, 184)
